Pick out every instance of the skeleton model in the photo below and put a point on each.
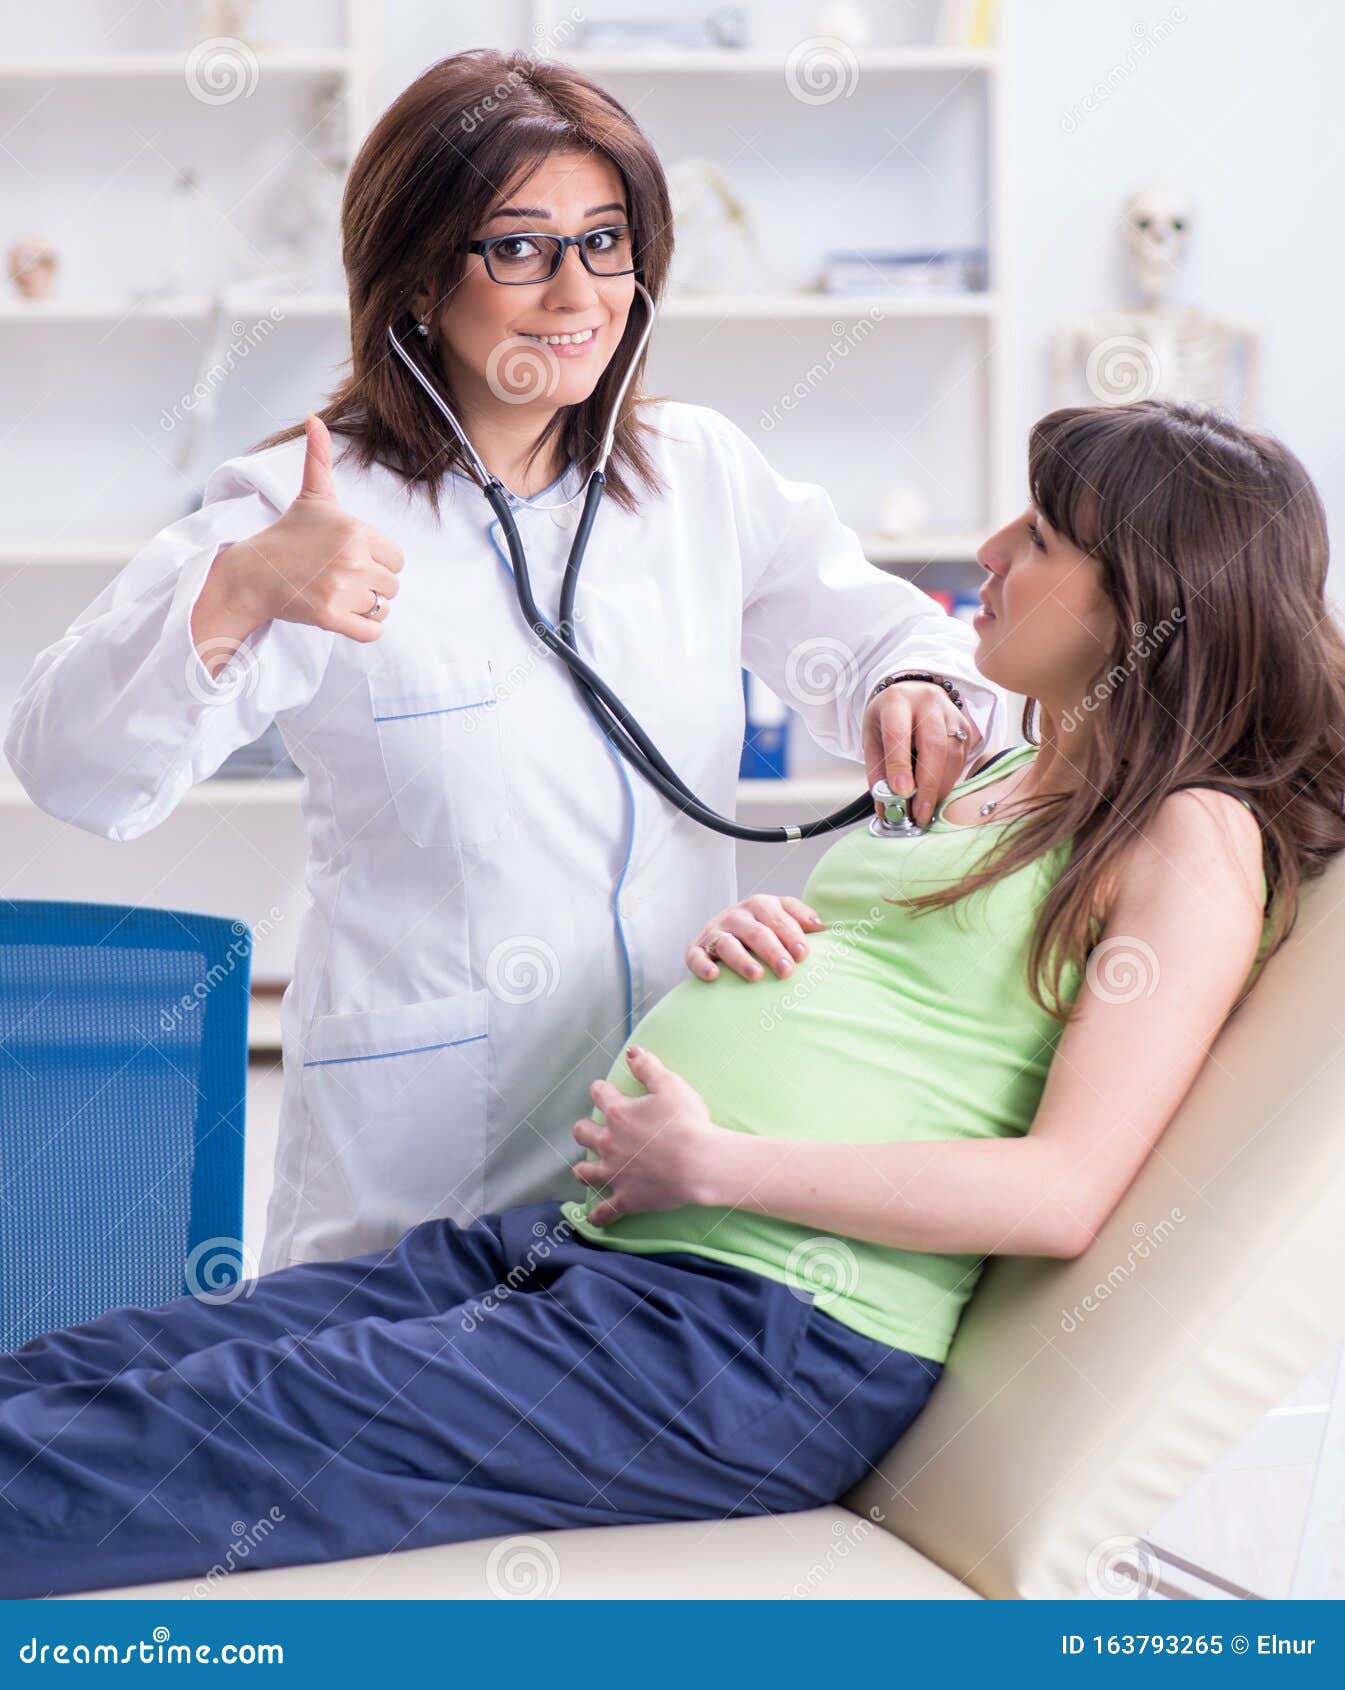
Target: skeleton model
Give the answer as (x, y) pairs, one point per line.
(1157, 350)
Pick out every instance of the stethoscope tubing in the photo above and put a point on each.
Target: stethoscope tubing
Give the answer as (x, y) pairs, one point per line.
(611, 715)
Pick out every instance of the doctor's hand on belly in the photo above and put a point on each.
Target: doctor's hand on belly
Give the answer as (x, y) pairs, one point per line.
(315, 564)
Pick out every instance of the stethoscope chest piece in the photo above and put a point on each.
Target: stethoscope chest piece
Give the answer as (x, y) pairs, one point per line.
(892, 819)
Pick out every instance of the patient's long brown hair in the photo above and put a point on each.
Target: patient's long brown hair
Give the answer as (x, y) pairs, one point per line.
(1213, 551)
(430, 169)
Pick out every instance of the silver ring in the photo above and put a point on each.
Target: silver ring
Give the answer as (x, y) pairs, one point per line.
(957, 733)
(376, 609)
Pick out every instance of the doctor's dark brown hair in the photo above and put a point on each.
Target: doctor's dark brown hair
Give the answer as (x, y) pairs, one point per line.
(1213, 551)
(469, 129)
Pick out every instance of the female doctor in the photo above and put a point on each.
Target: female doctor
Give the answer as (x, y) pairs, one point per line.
(494, 894)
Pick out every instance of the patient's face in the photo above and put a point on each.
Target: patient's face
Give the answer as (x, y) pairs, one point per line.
(1051, 624)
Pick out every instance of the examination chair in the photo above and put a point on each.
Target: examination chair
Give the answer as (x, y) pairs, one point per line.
(123, 1084)
(1081, 1397)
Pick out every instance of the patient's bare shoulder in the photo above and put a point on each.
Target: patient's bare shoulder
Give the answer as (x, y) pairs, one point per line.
(1201, 850)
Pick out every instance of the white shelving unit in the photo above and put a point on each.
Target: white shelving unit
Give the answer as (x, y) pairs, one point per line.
(984, 313)
(746, 61)
(786, 323)
(97, 198)
(149, 67)
(697, 75)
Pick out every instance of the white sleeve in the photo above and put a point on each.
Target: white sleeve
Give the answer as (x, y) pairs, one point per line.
(118, 718)
(821, 624)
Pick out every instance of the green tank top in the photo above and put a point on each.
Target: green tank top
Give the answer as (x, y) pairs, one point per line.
(896, 1025)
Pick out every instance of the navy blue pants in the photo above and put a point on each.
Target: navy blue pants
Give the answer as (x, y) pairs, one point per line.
(469, 1382)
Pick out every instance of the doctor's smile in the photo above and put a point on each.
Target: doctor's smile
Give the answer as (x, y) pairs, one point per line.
(609, 1190)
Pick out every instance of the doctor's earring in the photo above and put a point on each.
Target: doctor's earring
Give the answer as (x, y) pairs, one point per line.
(423, 329)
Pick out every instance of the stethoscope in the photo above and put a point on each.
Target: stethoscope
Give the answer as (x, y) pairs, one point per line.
(886, 809)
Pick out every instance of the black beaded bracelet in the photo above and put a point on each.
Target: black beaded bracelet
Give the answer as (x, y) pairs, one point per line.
(920, 675)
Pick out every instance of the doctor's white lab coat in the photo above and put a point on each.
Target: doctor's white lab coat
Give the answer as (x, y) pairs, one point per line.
(494, 895)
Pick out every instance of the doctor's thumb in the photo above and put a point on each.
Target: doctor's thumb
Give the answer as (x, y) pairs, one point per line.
(317, 481)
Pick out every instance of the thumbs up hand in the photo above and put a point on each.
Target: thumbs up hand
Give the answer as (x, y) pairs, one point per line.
(317, 563)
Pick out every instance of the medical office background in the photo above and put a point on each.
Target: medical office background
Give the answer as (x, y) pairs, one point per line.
(907, 228)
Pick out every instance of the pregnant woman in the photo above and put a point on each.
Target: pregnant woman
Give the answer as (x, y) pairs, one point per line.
(493, 898)
(794, 1179)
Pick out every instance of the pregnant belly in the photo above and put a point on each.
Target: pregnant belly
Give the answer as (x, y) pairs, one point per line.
(784, 1057)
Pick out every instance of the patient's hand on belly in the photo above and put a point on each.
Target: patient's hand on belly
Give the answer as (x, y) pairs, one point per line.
(760, 927)
(652, 1152)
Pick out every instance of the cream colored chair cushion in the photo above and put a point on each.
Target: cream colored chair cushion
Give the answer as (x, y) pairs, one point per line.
(1080, 1399)
(826, 1553)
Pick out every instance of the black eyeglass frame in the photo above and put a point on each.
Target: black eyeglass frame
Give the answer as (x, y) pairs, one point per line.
(562, 242)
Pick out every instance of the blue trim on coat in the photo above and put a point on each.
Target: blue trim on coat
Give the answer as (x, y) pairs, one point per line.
(382, 1055)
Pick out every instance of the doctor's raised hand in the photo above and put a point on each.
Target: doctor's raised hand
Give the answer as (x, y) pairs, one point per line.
(316, 564)
(917, 738)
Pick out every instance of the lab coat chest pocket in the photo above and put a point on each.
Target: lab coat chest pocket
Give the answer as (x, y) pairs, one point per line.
(439, 735)
(398, 1099)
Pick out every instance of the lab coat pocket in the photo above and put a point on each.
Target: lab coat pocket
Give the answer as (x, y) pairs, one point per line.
(397, 1100)
(438, 727)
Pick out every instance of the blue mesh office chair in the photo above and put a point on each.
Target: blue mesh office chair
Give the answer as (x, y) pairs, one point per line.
(123, 1084)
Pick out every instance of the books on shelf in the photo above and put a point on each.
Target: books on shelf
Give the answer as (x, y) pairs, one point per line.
(765, 753)
(907, 275)
(966, 23)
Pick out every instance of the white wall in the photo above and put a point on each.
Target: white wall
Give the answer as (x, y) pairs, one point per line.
(1240, 103)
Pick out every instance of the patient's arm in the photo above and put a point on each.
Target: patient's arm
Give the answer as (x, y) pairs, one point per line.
(1186, 917)
(1187, 910)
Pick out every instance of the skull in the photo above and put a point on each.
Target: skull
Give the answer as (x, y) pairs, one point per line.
(1157, 231)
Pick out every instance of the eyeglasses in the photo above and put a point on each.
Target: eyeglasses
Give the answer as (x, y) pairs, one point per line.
(517, 259)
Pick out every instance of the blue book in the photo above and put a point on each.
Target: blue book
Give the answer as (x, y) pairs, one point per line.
(765, 753)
